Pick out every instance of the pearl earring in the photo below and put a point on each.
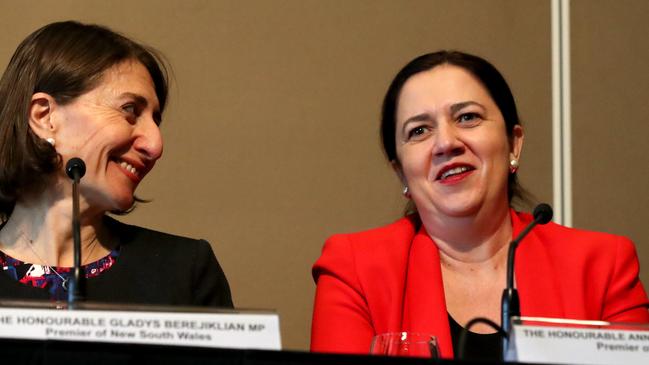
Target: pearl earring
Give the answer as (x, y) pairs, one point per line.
(406, 192)
(513, 165)
(51, 141)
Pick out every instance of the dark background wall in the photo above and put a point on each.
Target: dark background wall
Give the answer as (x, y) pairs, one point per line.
(271, 138)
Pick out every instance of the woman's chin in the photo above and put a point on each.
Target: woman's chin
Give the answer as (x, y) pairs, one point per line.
(118, 204)
(461, 211)
(107, 200)
(455, 209)
(124, 204)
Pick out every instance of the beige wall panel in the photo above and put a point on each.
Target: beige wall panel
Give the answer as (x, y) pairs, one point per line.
(271, 138)
(610, 127)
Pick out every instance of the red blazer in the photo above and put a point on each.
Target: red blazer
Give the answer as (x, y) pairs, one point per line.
(389, 280)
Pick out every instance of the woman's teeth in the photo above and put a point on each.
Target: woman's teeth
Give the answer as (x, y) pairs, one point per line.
(454, 171)
(128, 167)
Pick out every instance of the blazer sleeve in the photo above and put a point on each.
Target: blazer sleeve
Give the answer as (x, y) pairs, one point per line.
(341, 318)
(210, 287)
(626, 300)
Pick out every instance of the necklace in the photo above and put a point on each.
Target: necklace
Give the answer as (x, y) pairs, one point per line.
(64, 283)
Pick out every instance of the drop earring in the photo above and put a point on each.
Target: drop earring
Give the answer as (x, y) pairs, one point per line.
(406, 192)
(513, 165)
(51, 141)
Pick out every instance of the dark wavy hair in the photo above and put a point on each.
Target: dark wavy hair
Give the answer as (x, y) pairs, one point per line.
(64, 60)
(484, 71)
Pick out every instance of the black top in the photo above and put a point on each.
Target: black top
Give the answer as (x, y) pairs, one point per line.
(54, 279)
(153, 268)
(477, 346)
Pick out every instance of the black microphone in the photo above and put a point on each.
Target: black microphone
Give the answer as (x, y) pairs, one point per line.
(510, 304)
(542, 213)
(75, 168)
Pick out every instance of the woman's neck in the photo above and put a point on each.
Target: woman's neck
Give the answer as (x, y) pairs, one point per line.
(40, 231)
(474, 239)
(473, 259)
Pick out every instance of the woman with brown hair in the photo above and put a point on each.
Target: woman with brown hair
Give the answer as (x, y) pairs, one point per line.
(76, 90)
(451, 131)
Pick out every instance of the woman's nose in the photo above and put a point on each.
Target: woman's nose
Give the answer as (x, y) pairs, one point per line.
(148, 141)
(447, 142)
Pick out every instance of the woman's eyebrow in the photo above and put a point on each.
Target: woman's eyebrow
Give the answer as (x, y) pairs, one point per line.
(459, 106)
(418, 118)
(139, 99)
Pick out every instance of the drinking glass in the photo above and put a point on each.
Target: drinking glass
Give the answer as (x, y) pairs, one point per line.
(404, 344)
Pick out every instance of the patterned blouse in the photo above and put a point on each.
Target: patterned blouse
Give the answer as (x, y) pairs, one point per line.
(52, 279)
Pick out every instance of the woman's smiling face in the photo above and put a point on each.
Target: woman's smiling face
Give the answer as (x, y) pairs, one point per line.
(452, 146)
(114, 129)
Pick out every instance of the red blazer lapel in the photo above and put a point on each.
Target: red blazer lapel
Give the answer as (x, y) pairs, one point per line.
(424, 302)
(536, 280)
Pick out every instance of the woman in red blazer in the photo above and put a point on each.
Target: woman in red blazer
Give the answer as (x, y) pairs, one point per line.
(451, 132)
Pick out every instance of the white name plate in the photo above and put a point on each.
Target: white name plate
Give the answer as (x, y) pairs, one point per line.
(567, 344)
(225, 330)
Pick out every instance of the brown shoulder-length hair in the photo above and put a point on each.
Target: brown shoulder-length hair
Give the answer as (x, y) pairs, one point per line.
(64, 60)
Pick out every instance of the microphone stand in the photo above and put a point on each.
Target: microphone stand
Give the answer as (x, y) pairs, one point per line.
(510, 303)
(76, 168)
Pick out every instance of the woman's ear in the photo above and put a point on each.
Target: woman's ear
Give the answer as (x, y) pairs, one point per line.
(517, 142)
(40, 115)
